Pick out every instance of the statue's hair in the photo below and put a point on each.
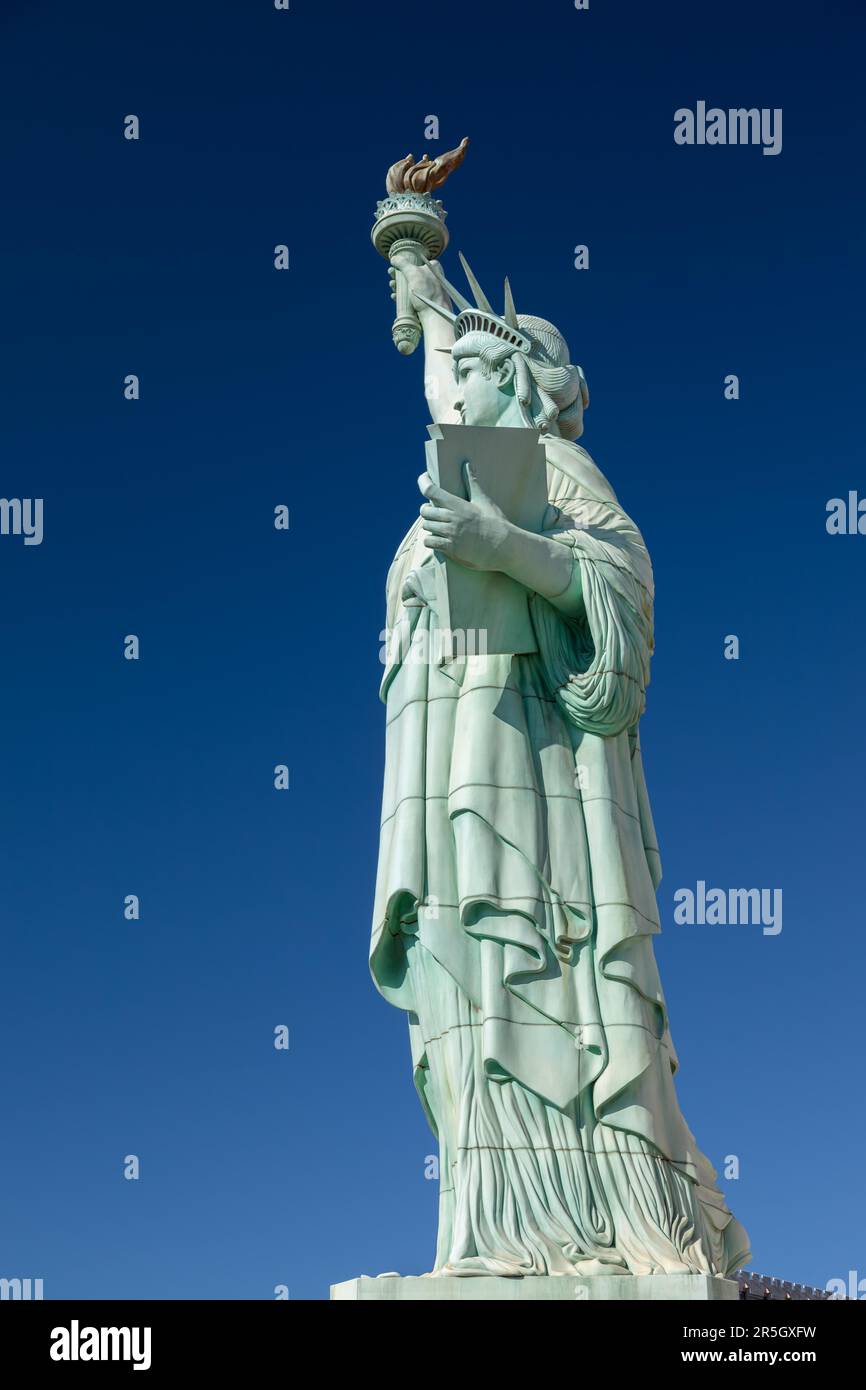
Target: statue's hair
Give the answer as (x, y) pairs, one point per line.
(559, 386)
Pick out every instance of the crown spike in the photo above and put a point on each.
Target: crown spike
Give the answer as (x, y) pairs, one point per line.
(480, 297)
(460, 300)
(509, 313)
(443, 313)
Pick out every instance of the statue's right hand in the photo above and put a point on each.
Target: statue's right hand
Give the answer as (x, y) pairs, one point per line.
(422, 279)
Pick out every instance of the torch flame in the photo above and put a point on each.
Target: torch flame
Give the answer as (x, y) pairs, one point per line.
(407, 176)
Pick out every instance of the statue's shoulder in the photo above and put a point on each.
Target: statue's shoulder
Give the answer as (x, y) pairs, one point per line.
(578, 488)
(580, 474)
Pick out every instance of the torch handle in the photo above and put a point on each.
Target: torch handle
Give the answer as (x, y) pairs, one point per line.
(406, 328)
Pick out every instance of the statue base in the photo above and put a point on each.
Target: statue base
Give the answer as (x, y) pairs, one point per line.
(567, 1288)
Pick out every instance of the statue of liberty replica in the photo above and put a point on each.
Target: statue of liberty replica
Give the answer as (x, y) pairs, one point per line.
(515, 904)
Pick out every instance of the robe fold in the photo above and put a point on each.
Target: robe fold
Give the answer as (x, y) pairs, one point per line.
(513, 921)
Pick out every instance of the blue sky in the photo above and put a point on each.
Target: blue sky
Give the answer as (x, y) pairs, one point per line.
(261, 387)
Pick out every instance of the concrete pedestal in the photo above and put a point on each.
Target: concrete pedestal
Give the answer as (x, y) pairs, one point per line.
(690, 1288)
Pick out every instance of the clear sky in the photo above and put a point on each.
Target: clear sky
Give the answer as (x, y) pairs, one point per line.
(261, 387)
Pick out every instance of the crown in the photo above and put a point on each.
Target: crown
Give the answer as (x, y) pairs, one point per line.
(480, 316)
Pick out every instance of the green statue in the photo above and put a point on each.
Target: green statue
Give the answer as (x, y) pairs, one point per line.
(515, 902)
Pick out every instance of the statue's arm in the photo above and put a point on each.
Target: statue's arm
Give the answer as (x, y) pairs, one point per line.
(440, 388)
(475, 532)
(544, 566)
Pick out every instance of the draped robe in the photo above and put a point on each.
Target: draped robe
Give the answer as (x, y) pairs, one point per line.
(514, 915)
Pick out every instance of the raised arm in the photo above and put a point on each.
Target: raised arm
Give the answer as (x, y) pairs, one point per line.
(440, 388)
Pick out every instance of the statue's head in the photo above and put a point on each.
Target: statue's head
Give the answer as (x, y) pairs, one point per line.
(513, 369)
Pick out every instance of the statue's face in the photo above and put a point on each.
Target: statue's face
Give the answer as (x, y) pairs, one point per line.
(480, 399)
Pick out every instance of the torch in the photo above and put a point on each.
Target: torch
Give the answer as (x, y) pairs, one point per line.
(410, 220)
